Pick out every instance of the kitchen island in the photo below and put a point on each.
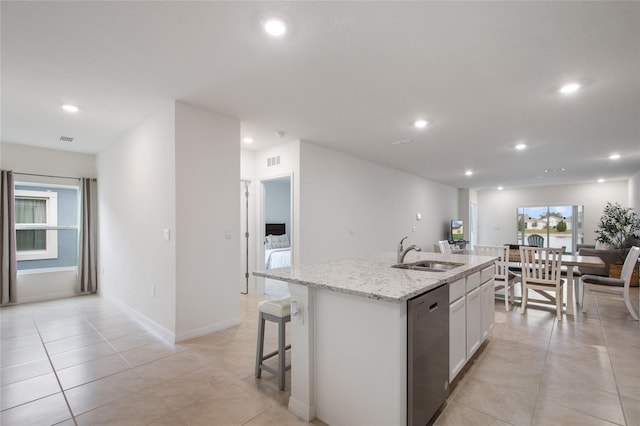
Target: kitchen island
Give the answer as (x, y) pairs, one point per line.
(349, 333)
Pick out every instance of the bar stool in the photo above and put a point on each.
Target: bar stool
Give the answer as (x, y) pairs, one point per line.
(278, 311)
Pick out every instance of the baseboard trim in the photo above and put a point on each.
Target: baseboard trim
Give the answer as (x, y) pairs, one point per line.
(163, 332)
(208, 329)
(304, 411)
(46, 297)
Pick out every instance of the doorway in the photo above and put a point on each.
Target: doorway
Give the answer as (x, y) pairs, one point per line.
(276, 231)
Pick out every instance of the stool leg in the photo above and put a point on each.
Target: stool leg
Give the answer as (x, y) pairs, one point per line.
(260, 345)
(281, 353)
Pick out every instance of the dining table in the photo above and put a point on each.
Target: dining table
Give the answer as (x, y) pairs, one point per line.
(570, 261)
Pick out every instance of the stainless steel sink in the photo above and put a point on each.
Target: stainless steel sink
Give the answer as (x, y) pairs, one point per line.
(428, 266)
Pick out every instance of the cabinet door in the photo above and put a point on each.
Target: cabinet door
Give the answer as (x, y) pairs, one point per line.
(488, 307)
(474, 321)
(457, 337)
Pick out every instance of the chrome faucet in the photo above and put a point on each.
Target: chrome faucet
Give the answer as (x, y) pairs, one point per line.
(402, 252)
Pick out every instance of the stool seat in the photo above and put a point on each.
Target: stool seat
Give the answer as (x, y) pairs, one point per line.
(278, 311)
(276, 307)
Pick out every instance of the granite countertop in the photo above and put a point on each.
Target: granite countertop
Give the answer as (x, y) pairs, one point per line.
(374, 278)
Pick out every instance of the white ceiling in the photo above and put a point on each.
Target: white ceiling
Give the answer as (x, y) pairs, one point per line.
(348, 75)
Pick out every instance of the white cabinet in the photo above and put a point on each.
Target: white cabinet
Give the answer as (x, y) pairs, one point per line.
(488, 307)
(457, 337)
(471, 310)
(474, 321)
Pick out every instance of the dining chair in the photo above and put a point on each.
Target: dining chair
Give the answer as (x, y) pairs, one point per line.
(600, 284)
(503, 277)
(541, 271)
(445, 248)
(535, 240)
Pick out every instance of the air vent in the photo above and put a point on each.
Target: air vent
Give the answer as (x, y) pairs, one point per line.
(404, 142)
(273, 161)
(66, 139)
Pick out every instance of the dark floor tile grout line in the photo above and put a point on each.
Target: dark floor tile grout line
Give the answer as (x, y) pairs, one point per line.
(55, 373)
(613, 369)
(108, 342)
(554, 325)
(115, 350)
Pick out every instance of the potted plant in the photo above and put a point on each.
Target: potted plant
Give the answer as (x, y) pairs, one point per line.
(619, 227)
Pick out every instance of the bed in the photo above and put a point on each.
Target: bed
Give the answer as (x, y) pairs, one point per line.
(277, 253)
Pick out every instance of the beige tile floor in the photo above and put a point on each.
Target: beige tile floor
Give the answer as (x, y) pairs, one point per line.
(83, 361)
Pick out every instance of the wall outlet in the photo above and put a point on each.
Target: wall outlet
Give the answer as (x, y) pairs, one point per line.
(153, 291)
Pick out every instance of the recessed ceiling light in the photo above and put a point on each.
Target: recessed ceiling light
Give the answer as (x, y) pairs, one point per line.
(569, 88)
(70, 108)
(468, 173)
(500, 188)
(275, 27)
(420, 124)
(601, 180)
(521, 146)
(247, 140)
(614, 156)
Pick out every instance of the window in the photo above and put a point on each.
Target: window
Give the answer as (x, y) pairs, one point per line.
(35, 211)
(551, 226)
(47, 218)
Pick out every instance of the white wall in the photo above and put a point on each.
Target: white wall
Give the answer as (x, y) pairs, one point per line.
(352, 207)
(207, 159)
(277, 208)
(31, 159)
(497, 220)
(634, 191)
(136, 199)
(35, 286)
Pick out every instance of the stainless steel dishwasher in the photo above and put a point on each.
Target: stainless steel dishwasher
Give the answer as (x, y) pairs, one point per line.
(427, 354)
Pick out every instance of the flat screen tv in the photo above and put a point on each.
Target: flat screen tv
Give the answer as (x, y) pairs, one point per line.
(457, 230)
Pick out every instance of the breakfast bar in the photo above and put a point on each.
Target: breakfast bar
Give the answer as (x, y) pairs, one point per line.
(349, 332)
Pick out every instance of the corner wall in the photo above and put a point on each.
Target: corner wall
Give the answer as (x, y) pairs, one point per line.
(497, 223)
(136, 200)
(207, 171)
(351, 207)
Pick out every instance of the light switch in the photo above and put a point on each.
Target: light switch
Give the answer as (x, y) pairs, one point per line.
(418, 216)
(166, 234)
(227, 235)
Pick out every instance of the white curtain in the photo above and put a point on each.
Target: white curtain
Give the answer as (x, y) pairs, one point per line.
(87, 261)
(8, 263)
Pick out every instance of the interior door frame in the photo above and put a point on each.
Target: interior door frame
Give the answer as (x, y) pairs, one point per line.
(262, 220)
